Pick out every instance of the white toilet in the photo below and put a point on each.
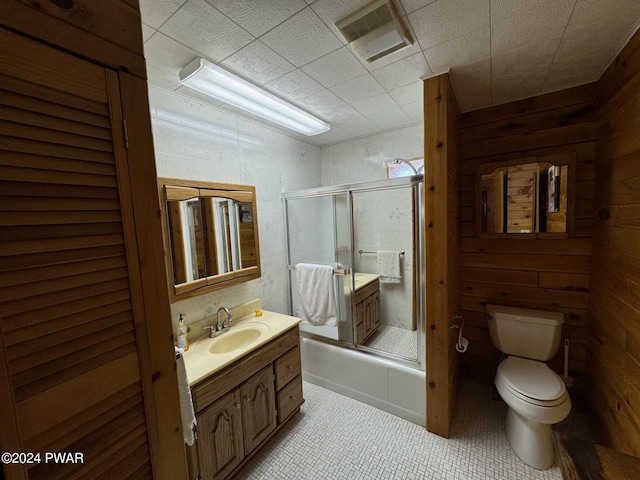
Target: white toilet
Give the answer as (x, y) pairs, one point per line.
(536, 395)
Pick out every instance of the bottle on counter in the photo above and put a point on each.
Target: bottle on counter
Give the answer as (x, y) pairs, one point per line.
(181, 334)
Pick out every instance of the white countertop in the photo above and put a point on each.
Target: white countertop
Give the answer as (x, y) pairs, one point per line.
(363, 279)
(200, 363)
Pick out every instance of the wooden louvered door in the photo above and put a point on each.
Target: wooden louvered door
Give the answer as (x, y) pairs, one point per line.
(70, 308)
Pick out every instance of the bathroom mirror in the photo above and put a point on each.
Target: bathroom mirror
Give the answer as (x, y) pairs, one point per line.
(532, 195)
(211, 235)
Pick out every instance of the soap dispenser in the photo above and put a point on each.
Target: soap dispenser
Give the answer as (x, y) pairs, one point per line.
(181, 334)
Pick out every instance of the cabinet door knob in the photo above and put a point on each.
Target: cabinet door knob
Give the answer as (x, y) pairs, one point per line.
(292, 397)
(237, 405)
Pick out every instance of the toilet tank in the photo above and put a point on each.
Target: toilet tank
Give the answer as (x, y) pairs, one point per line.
(523, 332)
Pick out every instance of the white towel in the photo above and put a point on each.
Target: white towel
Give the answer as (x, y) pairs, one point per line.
(316, 296)
(389, 267)
(186, 405)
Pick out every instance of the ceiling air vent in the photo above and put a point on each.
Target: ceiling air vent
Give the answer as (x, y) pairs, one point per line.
(375, 30)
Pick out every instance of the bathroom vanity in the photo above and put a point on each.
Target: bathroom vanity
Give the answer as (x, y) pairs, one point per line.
(367, 299)
(243, 396)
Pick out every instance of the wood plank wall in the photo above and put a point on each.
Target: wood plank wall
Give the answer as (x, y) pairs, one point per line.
(614, 317)
(547, 274)
(441, 193)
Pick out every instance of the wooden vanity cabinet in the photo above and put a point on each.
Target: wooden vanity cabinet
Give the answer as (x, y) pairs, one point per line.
(220, 444)
(239, 408)
(258, 408)
(367, 310)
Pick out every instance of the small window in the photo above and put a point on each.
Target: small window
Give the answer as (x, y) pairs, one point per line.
(400, 167)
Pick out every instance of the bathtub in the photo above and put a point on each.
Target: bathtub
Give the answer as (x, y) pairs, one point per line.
(381, 383)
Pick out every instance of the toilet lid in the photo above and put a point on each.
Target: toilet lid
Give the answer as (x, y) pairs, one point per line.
(531, 378)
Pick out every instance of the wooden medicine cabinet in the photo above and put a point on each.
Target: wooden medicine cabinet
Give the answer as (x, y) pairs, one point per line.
(527, 196)
(210, 235)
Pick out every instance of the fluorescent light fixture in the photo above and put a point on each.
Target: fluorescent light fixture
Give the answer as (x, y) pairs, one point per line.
(210, 79)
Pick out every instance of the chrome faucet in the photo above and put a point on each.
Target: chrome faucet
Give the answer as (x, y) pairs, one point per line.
(221, 326)
(225, 323)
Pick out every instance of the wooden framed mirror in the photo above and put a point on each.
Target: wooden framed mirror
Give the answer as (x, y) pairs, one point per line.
(532, 196)
(211, 235)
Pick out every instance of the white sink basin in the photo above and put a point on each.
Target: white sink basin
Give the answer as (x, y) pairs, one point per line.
(234, 339)
(237, 338)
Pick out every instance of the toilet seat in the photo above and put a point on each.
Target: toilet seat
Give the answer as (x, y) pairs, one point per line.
(531, 381)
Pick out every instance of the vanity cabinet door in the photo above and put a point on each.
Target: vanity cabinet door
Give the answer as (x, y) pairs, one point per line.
(258, 407)
(220, 437)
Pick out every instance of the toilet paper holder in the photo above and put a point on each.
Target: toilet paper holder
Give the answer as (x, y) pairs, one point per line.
(462, 344)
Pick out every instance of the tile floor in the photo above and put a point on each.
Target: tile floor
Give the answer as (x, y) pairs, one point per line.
(334, 437)
(395, 340)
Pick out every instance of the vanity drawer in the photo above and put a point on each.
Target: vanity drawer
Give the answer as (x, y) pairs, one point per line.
(287, 367)
(290, 398)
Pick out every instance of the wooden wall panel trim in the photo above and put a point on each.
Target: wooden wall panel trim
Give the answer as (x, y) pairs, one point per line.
(541, 103)
(614, 346)
(72, 72)
(579, 133)
(554, 118)
(113, 20)
(76, 34)
(158, 328)
(621, 73)
(442, 289)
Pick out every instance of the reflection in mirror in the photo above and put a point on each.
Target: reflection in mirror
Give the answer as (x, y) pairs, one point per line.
(212, 234)
(524, 198)
(231, 243)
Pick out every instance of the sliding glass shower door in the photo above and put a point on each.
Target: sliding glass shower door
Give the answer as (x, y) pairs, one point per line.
(319, 233)
(361, 230)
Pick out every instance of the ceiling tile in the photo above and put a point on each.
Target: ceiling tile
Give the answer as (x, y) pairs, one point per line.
(147, 31)
(515, 23)
(472, 84)
(330, 11)
(334, 68)
(358, 125)
(258, 16)
(569, 74)
(603, 12)
(377, 103)
(327, 106)
(156, 12)
(402, 72)
(294, 86)
(533, 55)
(408, 93)
(302, 38)
(393, 118)
(257, 63)
(444, 20)
(206, 30)
(412, 5)
(167, 57)
(467, 48)
(414, 110)
(517, 84)
(361, 87)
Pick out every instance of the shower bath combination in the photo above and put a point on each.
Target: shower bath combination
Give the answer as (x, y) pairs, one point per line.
(378, 339)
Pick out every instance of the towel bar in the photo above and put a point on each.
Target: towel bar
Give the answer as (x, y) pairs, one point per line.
(369, 251)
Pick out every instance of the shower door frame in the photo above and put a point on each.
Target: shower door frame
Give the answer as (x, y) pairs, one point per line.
(415, 183)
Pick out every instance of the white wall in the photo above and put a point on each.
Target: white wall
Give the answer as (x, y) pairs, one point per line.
(363, 159)
(198, 141)
(195, 141)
